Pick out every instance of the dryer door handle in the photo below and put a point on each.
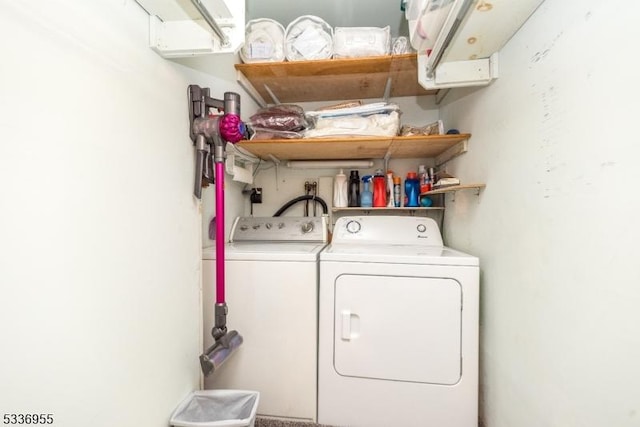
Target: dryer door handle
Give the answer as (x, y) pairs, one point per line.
(346, 325)
(350, 325)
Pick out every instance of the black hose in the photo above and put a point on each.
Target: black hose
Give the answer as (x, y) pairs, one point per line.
(292, 202)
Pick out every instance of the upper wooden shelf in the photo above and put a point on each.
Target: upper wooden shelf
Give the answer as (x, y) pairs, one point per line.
(334, 79)
(441, 147)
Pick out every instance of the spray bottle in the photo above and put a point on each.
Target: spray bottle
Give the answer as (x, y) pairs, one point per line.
(366, 197)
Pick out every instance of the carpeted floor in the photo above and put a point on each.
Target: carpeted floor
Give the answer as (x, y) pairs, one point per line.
(268, 422)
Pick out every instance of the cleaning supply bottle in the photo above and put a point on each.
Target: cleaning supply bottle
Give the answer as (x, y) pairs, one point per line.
(379, 190)
(390, 196)
(354, 190)
(340, 193)
(366, 197)
(397, 191)
(411, 190)
(423, 176)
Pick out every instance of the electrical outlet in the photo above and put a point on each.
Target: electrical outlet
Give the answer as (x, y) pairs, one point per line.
(256, 195)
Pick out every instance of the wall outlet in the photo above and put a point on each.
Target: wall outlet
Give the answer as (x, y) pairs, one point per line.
(256, 195)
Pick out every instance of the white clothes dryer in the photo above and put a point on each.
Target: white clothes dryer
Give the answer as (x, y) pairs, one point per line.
(271, 271)
(398, 335)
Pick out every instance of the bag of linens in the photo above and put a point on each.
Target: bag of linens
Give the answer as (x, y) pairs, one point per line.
(376, 119)
(308, 37)
(281, 121)
(264, 41)
(353, 42)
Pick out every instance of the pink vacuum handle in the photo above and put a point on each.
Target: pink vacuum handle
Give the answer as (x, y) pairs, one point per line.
(220, 234)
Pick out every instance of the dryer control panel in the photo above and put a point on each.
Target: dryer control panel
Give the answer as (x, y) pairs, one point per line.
(390, 230)
(279, 229)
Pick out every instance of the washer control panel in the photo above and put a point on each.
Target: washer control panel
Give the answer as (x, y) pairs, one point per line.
(279, 229)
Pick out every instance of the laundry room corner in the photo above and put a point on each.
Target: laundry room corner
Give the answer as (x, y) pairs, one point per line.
(556, 227)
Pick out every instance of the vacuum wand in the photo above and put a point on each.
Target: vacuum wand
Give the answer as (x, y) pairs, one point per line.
(210, 134)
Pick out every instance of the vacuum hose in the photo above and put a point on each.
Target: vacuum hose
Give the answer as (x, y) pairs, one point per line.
(292, 202)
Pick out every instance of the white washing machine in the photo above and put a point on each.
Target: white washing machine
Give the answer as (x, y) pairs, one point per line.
(272, 296)
(398, 335)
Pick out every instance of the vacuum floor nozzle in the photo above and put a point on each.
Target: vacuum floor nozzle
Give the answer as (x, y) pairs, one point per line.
(219, 352)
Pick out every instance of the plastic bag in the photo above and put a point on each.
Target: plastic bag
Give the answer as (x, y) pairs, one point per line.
(281, 117)
(308, 37)
(217, 408)
(262, 133)
(264, 41)
(355, 125)
(352, 42)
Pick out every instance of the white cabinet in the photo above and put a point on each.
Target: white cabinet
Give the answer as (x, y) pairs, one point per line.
(470, 34)
(184, 28)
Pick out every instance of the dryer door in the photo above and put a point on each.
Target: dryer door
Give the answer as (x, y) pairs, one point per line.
(398, 328)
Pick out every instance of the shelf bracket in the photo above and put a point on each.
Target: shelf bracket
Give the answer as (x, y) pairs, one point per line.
(387, 90)
(273, 96)
(477, 188)
(248, 87)
(386, 159)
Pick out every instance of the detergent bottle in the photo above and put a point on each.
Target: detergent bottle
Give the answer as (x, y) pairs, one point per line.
(340, 194)
(379, 190)
(411, 190)
(366, 197)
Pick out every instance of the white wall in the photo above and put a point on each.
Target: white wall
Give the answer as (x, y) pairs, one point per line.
(556, 228)
(100, 262)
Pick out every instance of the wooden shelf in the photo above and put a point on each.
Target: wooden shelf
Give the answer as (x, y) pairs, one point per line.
(334, 79)
(455, 188)
(442, 147)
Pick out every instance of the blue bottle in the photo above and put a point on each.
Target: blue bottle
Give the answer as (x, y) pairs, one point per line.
(411, 190)
(366, 197)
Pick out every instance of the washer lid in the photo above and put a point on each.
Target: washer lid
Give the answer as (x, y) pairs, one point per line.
(260, 251)
(397, 254)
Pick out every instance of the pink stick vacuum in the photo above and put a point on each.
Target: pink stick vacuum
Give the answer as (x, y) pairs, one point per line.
(210, 134)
